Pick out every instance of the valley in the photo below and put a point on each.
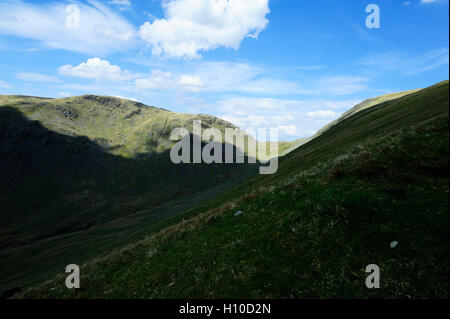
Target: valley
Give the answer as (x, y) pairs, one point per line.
(338, 199)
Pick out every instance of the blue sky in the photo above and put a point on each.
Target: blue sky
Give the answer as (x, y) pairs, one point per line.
(290, 64)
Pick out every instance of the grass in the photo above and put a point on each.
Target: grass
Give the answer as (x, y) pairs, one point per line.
(80, 175)
(335, 205)
(124, 127)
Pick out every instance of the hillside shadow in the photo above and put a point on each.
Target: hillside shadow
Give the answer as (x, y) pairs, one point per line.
(53, 184)
(39, 167)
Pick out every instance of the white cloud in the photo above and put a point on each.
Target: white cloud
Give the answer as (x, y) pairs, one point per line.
(123, 5)
(293, 118)
(120, 2)
(226, 77)
(127, 98)
(405, 63)
(341, 85)
(36, 77)
(432, 1)
(338, 105)
(247, 78)
(191, 83)
(250, 112)
(190, 80)
(289, 130)
(96, 68)
(101, 30)
(239, 77)
(191, 26)
(217, 77)
(158, 80)
(5, 85)
(426, 62)
(322, 114)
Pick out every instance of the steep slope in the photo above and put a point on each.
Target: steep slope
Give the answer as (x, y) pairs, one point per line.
(364, 105)
(309, 231)
(81, 174)
(289, 147)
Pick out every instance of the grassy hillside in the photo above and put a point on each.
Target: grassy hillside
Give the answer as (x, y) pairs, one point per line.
(83, 174)
(364, 105)
(288, 147)
(335, 205)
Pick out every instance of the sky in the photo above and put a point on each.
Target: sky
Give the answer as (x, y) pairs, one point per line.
(287, 64)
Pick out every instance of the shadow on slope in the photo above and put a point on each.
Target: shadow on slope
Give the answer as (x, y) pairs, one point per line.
(63, 194)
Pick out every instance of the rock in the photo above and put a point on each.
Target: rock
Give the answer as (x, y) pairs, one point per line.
(239, 212)
(66, 111)
(130, 115)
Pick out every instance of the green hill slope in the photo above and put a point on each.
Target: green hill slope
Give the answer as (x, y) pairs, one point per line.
(81, 174)
(335, 205)
(364, 105)
(290, 146)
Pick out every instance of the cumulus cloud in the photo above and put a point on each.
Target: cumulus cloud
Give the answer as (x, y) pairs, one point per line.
(100, 29)
(96, 68)
(227, 77)
(191, 83)
(211, 77)
(289, 130)
(158, 80)
(293, 118)
(190, 80)
(191, 26)
(35, 77)
(251, 123)
(218, 77)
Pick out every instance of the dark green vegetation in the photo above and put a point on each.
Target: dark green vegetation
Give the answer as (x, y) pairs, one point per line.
(81, 175)
(309, 231)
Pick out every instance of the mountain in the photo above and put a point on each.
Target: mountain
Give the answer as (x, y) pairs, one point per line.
(337, 203)
(82, 174)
